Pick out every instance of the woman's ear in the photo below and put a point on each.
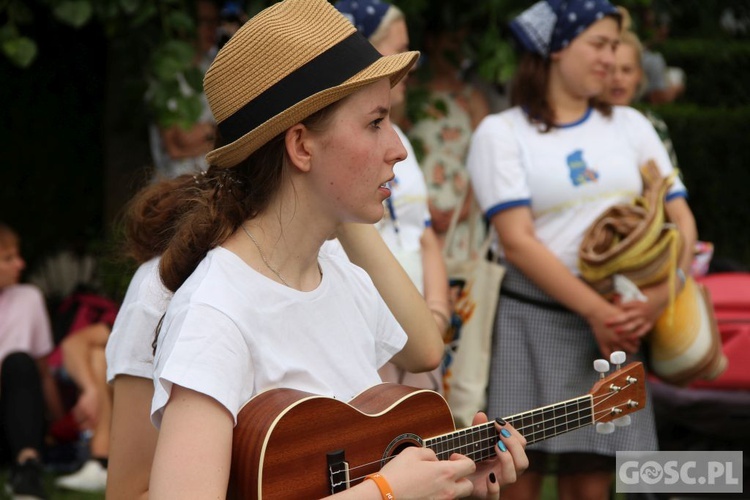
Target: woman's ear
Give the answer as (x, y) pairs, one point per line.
(297, 147)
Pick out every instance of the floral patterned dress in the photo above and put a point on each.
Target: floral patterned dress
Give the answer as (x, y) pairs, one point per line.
(443, 138)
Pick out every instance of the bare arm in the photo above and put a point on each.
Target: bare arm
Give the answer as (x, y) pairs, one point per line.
(76, 349)
(77, 352)
(132, 439)
(180, 143)
(436, 292)
(365, 247)
(193, 449)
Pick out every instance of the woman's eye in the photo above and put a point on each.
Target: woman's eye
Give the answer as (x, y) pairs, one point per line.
(376, 123)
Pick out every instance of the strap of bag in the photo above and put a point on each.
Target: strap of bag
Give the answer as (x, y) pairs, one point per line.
(472, 220)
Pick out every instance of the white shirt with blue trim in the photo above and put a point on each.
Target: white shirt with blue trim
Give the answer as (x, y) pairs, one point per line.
(567, 176)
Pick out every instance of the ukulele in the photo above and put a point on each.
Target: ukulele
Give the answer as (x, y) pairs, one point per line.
(293, 444)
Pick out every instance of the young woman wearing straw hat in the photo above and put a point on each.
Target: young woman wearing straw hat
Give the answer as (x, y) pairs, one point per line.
(305, 144)
(543, 171)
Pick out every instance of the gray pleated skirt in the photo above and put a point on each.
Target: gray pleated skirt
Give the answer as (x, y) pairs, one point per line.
(544, 354)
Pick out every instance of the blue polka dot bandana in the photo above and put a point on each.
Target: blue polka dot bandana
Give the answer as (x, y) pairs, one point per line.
(365, 15)
(550, 25)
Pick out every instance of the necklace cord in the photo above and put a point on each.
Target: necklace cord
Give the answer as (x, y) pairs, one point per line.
(268, 264)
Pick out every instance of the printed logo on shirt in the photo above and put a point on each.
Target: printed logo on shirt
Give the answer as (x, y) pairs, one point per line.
(580, 173)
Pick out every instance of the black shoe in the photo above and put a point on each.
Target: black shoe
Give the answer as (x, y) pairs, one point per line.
(25, 481)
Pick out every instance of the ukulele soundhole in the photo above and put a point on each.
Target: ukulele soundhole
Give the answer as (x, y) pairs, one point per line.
(399, 444)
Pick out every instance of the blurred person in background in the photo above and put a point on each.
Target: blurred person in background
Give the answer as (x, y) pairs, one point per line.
(407, 226)
(176, 150)
(627, 81)
(542, 172)
(28, 393)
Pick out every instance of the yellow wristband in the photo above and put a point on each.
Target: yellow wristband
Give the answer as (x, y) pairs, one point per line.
(383, 486)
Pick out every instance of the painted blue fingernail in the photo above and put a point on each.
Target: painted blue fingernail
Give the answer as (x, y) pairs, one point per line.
(501, 445)
(505, 432)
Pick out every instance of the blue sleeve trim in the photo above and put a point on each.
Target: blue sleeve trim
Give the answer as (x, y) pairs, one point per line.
(506, 205)
(677, 194)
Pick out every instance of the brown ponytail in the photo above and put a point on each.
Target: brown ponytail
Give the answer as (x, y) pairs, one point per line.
(182, 219)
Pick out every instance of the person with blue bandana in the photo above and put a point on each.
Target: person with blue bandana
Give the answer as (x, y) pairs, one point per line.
(542, 172)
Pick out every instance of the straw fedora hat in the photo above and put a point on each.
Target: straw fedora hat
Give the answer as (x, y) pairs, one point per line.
(289, 61)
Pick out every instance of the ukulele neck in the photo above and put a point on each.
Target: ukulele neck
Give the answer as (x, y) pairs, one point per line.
(478, 442)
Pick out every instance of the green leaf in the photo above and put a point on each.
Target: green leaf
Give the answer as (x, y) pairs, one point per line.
(19, 13)
(107, 9)
(179, 21)
(194, 77)
(144, 15)
(182, 111)
(21, 51)
(180, 50)
(130, 6)
(74, 12)
(170, 58)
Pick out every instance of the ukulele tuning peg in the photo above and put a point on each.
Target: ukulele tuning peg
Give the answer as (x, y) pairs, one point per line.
(601, 366)
(622, 421)
(617, 358)
(605, 427)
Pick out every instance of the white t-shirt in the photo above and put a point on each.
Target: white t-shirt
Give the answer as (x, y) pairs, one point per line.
(407, 214)
(231, 333)
(24, 322)
(567, 176)
(129, 348)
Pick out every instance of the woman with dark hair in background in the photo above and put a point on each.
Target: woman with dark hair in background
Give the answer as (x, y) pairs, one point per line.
(543, 171)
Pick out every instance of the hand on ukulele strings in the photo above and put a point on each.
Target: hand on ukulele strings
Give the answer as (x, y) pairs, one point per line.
(417, 473)
(509, 462)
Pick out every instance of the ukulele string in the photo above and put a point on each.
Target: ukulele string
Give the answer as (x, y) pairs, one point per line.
(581, 416)
(485, 445)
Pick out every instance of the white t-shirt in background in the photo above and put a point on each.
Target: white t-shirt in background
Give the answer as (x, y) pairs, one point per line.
(129, 348)
(567, 176)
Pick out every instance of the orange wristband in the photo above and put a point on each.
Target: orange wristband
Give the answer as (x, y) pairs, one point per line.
(383, 486)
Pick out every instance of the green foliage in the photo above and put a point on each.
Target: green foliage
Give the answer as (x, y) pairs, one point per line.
(163, 30)
(711, 147)
(76, 13)
(717, 70)
(19, 49)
